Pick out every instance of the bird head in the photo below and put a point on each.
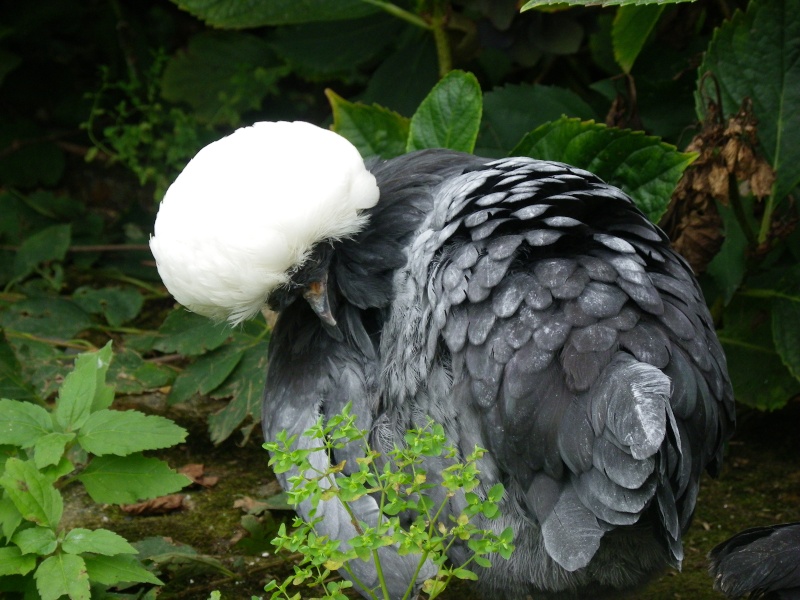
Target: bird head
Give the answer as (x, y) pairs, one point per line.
(246, 212)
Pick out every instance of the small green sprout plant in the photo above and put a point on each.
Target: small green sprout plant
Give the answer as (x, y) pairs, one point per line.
(401, 486)
(81, 439)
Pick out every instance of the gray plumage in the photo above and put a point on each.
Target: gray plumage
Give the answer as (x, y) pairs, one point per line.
(533, 310)
(759, 563)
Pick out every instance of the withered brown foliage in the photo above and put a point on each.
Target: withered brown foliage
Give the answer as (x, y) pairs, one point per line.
(727, 165)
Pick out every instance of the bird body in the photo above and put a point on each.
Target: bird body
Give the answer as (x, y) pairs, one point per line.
(759, 563)
(532, 310)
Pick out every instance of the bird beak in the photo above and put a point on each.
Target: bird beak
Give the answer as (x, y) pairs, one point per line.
(316, 294)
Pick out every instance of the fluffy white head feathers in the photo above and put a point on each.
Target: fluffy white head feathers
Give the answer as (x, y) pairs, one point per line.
(249, 207)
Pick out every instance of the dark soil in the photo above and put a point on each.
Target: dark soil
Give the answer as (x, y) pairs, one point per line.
(759, 485)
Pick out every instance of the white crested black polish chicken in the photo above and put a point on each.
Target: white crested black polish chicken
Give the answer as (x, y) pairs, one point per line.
(759, 563)
(525, 305)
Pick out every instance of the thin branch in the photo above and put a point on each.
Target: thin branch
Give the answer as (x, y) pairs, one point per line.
(400, 13)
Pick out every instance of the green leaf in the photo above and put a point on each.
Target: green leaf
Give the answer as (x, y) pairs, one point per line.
(222, 74)
(755, 55)
(60, 575)
(99, 541)
(374, 130)
(127, 479)
(534, 4)
(235, 15)
(117, 305)
(10, 517)
(13, 383)
(644, 167)
(47, 317)
(111, 570)
(32, 493)
(729, 266)
(49, 448)
(36, 540)
(449, 117)
(134, 375)
(13, 562)
(77, 393)
(206, 373)
(331, 48)
(786, 332)
(50, 244)
(465, 574)
(759, 379)
(125, 432)
(632, 27)
(22, 423)
(407, 75)
(513, 110)
(103, 392)
(190, 334)
(246, 387)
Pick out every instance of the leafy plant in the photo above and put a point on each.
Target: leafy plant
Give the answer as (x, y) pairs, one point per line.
(82, 439)
(401, 486)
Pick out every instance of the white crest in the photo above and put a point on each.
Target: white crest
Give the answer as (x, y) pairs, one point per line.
(249, 207)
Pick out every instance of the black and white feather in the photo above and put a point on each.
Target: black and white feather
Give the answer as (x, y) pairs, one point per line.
(533, 310)
(759, 563)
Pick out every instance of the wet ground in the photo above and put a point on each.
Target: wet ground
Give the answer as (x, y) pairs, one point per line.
(759, 485)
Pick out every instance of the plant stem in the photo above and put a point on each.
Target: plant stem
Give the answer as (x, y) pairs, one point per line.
(400, 13)
(738, 210)
(766, 220)
(443, 52)
(760, 293)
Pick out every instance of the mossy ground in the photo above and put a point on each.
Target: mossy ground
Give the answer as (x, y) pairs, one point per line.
(760, 484)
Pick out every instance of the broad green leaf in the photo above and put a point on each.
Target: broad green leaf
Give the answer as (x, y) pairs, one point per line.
(728, 267)
(644, 167)
(63, 575)
(125, 432)
(47, 317)
(333, 48)
(632, 27)
(245, 386)
(50, 244)
(786, 331)
(32, 493)
(13, 562)
(206, 373)
(222, 74)
(374, 130)
(756, 55)
(10, 517)
(190, 334)
(407, 75)
(22, 423)
(235, 15)
(99, 541)
(132, 374)
(127, 479)
(77, 393)
(535, 4)
(111, 570)
(511, 111)
(449, 117)
(103, 392)
(117, 305)
(759, 379)
(49, 448)
(13, 383)
(36, 540)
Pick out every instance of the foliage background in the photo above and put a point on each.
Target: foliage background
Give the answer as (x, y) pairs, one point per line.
(103, 102)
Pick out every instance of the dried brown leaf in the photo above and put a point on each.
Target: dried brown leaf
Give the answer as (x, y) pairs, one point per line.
(156, 506)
